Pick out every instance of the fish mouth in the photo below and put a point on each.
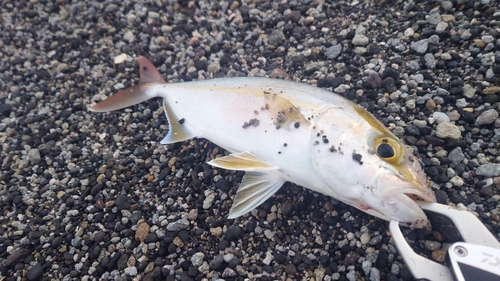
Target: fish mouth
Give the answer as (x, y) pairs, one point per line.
(399, 200)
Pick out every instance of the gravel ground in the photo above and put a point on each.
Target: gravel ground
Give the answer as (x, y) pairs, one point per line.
(95, 196)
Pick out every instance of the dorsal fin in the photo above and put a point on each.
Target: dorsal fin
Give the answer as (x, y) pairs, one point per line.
(148, 72)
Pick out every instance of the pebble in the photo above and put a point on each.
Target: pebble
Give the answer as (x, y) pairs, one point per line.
(438, 255)
(492, 90)
(434, 39)
(486, 117)
(447, 18)
(351, 275)
(213, 67)
(178, 225)
(454, 115)
(448, 130)
(432, 245)
(440, 117)
(420, 46)
(268, 259)
(131, 271)
(178, 242)
(461, 103)
(207, 203)
(410, 104)
(122, 202)
(319, 273)
(434, 18)
(287, 208)
(395, 269)
(388, 84)
(466, 35)
(409, 32)
(142, 231)
(393, 107)
(367, 266)
(360, 40)
(390, 72)
(365, 238)
(228, 272)
(291, 269)
(334, 51)
(129, 36)
(216, 231)
(374, 274)
(457, 181)
(441, 27)
(456, 155)
(233, 233)
(197, 259)
(496, 182)
(35, 272)
(488, 170)
(447, 5)
(375, 240)
(351, 258)
(430, 105)
(430, 61)
(269, 234)
(276, 37)
(34, 156)
(446, 56)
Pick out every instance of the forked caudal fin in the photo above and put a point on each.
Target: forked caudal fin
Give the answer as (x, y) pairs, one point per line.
(142, 92)
(135, 94)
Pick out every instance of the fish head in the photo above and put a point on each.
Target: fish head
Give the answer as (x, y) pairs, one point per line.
(399, 181)
(372, 170)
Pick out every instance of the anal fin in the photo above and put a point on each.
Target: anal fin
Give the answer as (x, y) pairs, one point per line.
(260, 182)
(177, 131)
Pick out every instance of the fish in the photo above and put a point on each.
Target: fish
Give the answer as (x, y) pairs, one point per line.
(279, 131)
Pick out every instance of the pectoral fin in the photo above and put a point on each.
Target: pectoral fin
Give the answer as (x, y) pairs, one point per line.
(244, 161)
(255, 189)
(260, 182)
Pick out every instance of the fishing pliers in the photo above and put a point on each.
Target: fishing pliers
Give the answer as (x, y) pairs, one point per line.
(475, 255)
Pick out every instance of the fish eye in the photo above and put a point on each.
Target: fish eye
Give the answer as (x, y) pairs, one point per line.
(385, 150)
(389, 149)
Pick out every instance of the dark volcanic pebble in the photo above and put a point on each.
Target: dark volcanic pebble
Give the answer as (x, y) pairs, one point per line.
(388, 84)
(35, 272)
(233, 233)
(5, 109)
(287, 208)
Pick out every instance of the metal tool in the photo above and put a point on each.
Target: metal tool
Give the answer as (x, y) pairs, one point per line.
(477, 257)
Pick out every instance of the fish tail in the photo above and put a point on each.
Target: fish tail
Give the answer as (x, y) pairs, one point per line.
(135, 94)
(142, 92)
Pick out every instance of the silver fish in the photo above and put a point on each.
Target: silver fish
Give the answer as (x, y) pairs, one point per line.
(279, 131)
